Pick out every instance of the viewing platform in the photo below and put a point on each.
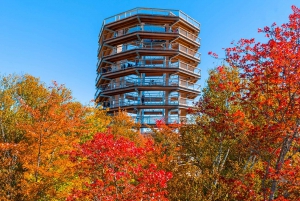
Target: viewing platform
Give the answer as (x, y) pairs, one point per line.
(151, 12)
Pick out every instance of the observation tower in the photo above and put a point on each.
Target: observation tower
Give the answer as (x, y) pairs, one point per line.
(148, 64)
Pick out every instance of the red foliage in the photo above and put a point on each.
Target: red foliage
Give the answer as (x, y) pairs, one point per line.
(115, 169)
(270, 91)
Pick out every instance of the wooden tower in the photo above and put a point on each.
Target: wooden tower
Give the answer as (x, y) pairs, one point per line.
(147, 64)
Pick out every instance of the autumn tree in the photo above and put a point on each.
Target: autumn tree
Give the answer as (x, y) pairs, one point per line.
(114, 168)
(244, 144)
(169, 158)
(11, 168)
(54, 125)
(37, 124)
(270, 98)
(123, 125)
(207, 157)
(212, 143)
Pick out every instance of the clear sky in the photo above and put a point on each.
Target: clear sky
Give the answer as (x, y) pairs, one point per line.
(57, 39)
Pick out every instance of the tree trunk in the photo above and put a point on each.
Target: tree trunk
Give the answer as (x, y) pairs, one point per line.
(286, 145)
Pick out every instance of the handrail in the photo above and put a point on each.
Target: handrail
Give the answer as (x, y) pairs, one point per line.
(148, 63)
(151, 46)
(150, 11)
(149, 82)
(151, 28)
(149, 100)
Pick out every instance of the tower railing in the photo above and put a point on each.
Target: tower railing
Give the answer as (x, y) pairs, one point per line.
(150, 11)
(149, 101)
(189, 35)
(151, 28)
(150, 46)
(153, 119)
(129, 30)
(147, 63)
(159, 82)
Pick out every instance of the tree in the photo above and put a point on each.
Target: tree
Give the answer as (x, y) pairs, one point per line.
(111, 168)
(245, 143)
(208, 157)
(223, 126)
(11, 169)
(55, 124)
(270, 97)
(37, 124)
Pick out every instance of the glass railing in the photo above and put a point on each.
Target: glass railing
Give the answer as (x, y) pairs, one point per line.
(98, 91)
(148, 101)
(151, 28)
(99, 61)
(151, 11)
(156, 45)
(159, 82)
(153, 119)
(147, 63)
(161, 45)
(144, 28)
(98, 77)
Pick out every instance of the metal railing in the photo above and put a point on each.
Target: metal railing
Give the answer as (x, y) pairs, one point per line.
(189, 35)
(148, 101)
(147, 63)
(148, 82)
(151, 11)
(151, 28)
(150, 46)
(189, 67)
(189, 51)
(190, 20)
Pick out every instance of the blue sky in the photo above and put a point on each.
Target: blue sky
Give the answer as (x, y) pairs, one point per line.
(57, 39)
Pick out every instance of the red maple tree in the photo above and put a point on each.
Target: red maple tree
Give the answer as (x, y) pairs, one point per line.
(270, 95)
(116, 169)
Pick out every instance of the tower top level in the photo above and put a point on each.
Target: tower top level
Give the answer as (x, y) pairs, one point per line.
(151, 11)
(148, 64)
